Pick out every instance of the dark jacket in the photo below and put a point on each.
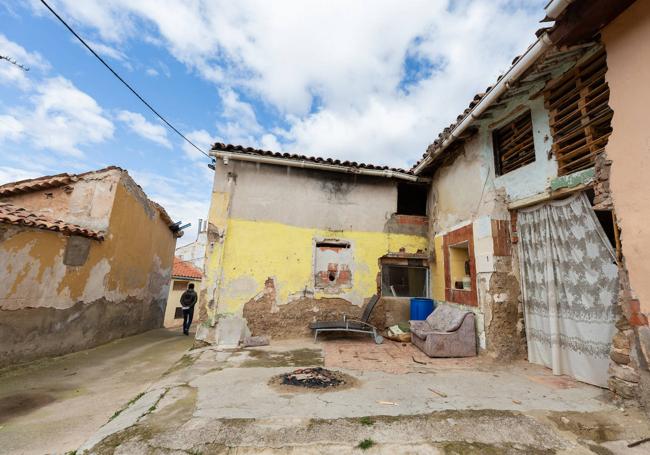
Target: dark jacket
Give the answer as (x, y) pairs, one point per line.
(188, 299)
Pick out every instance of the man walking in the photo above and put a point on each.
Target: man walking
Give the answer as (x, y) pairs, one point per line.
(188, 300)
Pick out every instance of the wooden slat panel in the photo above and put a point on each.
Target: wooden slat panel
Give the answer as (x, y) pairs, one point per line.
(580, 116)
(513, 144)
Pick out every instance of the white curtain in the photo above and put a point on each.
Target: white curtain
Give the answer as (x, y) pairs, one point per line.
(570, 287)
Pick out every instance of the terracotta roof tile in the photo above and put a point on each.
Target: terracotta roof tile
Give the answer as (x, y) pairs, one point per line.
(47, 181)
(297, 157)
(54, 181)
(184, 269)
(19, 216)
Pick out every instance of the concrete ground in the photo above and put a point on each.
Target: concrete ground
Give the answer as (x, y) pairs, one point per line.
(54, 405)
(399, 401)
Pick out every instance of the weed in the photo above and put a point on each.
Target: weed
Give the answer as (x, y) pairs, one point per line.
(366, 421)
(366, 444)
(131, 401)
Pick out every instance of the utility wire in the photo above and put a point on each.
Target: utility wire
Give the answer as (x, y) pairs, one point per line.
(122, 80)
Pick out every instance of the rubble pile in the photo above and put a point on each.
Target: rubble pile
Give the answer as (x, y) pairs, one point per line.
(313, 378)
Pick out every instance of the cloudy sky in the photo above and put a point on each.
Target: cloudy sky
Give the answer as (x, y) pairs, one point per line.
(371, 81)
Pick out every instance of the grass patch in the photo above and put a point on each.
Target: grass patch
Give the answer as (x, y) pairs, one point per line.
(366, 421)
(366, 444)
(131, 401)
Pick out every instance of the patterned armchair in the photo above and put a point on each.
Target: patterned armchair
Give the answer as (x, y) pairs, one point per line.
(447, 332)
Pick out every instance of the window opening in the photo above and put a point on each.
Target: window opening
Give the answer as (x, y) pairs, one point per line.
(580, 116)
(459, 266)
(412, 199)
(513, 144)
(404, 281)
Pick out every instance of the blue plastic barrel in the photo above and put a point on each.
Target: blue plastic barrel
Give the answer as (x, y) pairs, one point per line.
(421, 308)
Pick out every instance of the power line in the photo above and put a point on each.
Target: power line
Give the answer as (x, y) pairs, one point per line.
(122, 80)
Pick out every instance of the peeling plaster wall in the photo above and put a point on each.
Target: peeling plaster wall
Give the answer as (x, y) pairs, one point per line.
(626, 40)
(48, 308)
(465, 191)
(263, 224)
(87, 202)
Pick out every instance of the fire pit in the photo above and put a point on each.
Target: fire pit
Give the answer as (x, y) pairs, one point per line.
(315, 378)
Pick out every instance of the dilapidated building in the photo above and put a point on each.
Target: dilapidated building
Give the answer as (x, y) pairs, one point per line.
(537, 187)
(84, 259)
(294, 238)
(529, 211)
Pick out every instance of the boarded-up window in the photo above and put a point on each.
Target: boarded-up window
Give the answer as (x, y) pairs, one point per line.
(513, 144)
(332, 262)
(580, 116)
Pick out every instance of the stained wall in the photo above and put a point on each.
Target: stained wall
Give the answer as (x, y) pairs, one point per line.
(49, 308)
(264, 224)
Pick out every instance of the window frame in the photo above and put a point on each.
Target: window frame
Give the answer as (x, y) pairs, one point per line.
(427, 279)
(497, 146)
(460, 296)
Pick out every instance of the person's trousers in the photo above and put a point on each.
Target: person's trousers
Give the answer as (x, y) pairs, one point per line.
(187, 319)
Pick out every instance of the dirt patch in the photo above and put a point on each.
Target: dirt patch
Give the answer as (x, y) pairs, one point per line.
(292, 320)
(258, 358)
(594, 426)
(343, 382)
(475, 448)
(22, 403)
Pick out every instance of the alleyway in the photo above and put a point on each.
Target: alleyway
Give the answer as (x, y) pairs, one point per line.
(53, 405)
(398, 401)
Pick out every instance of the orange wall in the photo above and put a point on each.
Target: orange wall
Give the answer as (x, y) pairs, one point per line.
(627, 40)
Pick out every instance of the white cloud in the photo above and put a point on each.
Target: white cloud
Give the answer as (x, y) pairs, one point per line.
(11, 129)
(61, 119)
(186, 197)
(151, 72)
(346, 58)
(12, 74)
(106, 51)
(202, 139)
(12, 174)
(140, 126)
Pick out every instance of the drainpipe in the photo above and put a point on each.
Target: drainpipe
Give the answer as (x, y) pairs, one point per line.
(387, 173)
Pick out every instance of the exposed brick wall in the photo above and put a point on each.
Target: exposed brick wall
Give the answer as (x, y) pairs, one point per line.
(463, 234)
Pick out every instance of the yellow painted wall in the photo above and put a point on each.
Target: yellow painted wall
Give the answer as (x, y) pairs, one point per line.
(121, 288)
(257, 250)
(438, 271)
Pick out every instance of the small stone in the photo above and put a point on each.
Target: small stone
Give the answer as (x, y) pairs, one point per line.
(564, 420)
(621, 341)
(256, 341)
(623, 372)
(620, 357)
(623, 388)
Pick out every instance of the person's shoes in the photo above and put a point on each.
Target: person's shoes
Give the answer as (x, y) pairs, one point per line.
(186, 333)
